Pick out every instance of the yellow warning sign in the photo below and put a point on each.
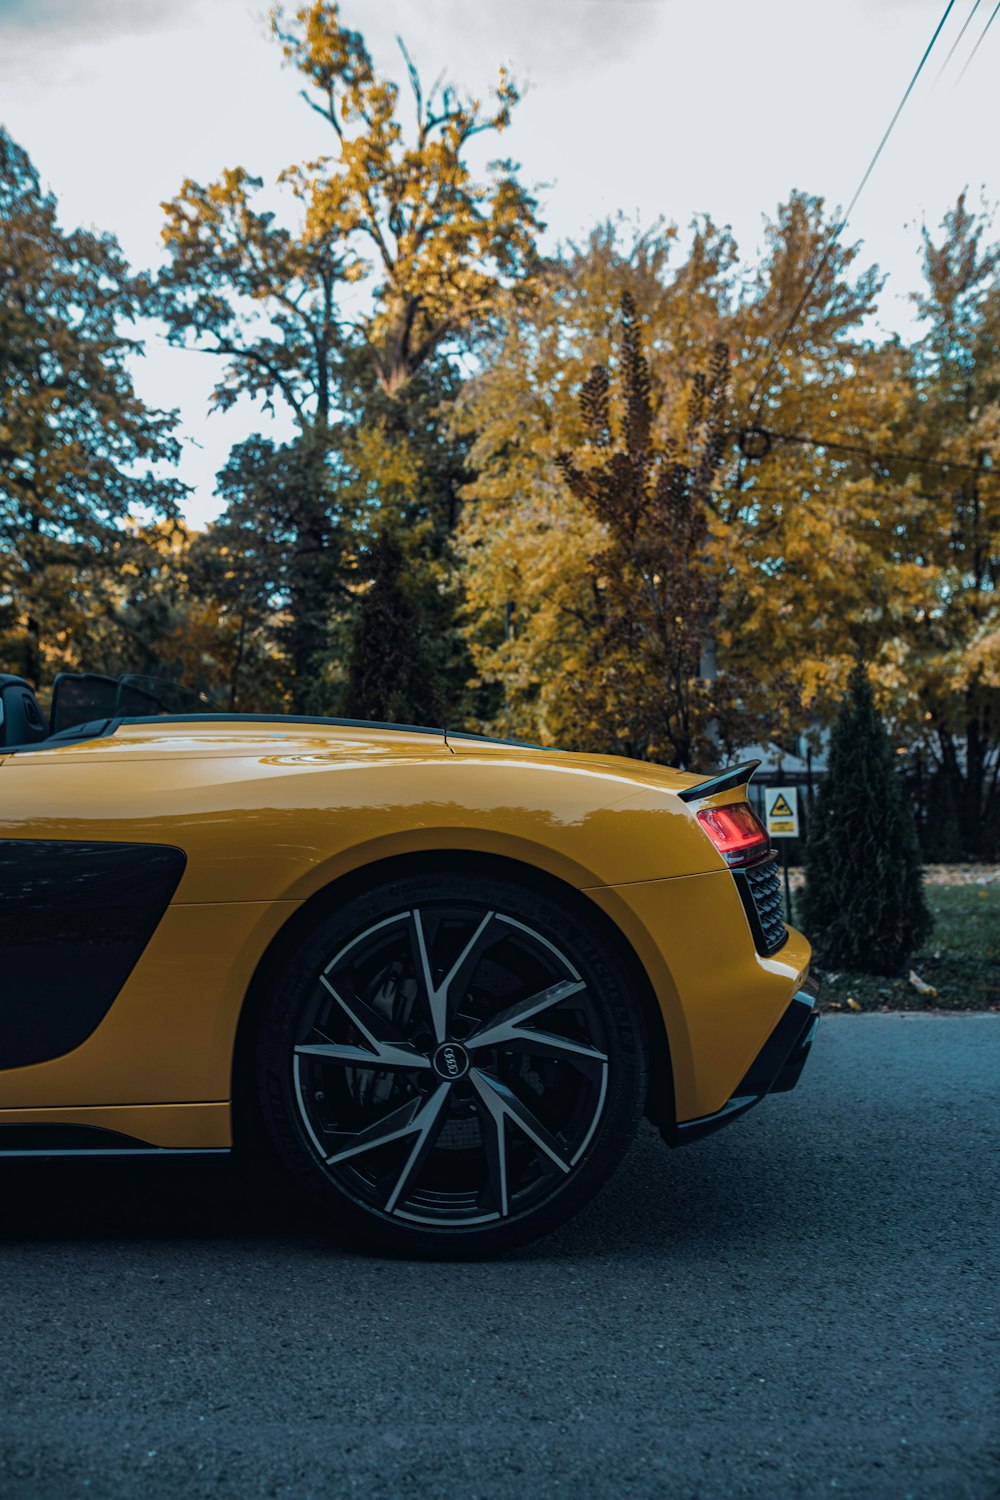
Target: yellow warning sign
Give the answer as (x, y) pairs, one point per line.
(781, 812)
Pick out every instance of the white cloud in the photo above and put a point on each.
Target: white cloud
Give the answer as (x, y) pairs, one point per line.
(563, 35)
(31, 31)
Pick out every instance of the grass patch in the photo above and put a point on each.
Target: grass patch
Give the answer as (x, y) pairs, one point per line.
(961, 960)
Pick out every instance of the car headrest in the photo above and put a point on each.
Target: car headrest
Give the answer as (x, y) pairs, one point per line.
(22, 720)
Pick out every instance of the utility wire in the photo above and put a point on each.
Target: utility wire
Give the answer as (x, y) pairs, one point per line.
(839, 228)
(955, 43)
(982, 39)
(812, 441)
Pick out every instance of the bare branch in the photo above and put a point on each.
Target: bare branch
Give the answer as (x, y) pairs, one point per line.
(414, 80)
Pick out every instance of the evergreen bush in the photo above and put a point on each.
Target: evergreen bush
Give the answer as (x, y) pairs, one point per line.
(864, 905)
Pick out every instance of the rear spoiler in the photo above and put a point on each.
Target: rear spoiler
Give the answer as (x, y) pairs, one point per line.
(724, 782)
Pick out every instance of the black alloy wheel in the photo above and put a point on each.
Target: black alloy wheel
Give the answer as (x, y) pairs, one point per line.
(453, 1065)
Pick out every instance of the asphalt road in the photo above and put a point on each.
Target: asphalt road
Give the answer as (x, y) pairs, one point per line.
(806, 1305)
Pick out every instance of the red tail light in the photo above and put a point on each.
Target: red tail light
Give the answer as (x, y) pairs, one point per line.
(736, 832)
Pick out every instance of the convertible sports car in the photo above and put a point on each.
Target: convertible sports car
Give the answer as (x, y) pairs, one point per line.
(440, 978)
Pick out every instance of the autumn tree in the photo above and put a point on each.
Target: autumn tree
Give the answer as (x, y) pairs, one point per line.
(131, 618)
(879, 533)
(394, 211)
(813, 521)
(808, 536)
(241, 286)
(79, 451)
(651, 679)
(397, 209)
(436, 245)
(196, 608)
(527, 542)
(952, 422)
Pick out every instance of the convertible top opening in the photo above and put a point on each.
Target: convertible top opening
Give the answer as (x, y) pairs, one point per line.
(88, 706)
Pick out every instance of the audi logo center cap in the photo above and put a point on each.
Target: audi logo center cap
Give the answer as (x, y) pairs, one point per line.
(450, 1061)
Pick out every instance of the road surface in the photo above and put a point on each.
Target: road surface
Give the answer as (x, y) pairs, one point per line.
(804, 1305)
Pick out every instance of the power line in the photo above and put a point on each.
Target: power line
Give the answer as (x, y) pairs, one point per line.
(982, 39)
(812, 441)
(839, 228)
(955, 44)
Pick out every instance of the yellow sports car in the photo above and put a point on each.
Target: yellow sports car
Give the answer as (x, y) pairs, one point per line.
(439, 977)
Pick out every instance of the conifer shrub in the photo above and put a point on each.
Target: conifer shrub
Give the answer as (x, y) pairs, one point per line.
(863, 905)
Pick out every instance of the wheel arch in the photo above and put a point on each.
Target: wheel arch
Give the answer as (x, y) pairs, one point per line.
(246, 1124)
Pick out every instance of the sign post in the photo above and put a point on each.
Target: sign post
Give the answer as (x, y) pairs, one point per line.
(781, 815)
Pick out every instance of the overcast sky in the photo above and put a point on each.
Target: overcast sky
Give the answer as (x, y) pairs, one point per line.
(652, 107)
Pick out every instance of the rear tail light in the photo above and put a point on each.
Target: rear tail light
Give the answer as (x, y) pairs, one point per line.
(736, 832)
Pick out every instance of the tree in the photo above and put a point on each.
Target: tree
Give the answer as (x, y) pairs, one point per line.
(438, 246)
(78, 449)
(655, 590)
(263, 298)
(131, 620)
(808, 539)
(863, 905)
(388, 675)
(404, 468)
(282, 574)
(235, 611)
(812, 521)
(434, 249)
(951, 639)
(527, 543)
(279, 556)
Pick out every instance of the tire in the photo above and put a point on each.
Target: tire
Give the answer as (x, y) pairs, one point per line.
(452, 1066)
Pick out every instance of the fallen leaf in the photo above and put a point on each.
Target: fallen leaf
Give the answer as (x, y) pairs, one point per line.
(920, 986)
(852, 1004)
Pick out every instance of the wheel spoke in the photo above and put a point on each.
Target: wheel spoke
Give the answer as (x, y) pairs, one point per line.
(496, 1095)
(376, 1030)
(509, 1024)
(415, 1116)
(429, 1122)
(384, 1056)
(461, 971)
(588, 1060)
(439, 996)
(493, 1124)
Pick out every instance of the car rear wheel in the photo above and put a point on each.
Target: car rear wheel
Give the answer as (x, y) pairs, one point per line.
(452, 1065)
